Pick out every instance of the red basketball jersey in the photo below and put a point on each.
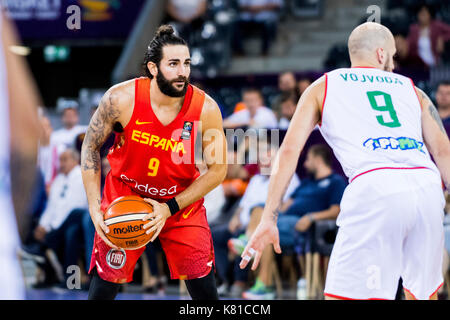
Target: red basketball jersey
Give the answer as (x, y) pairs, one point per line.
(155, 160)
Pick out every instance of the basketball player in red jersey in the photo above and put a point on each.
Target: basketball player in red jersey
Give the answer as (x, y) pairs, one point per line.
(157, 121)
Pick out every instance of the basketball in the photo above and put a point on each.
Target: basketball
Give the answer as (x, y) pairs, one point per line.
(124, 220)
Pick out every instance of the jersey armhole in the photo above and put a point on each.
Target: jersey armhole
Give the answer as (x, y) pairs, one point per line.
(198, 100)
(417, 95)
(141, 92)
(324, 98)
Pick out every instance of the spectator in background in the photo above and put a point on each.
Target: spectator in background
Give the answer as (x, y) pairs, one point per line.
(47, 153)
(66, 218)
(403, 58)
(214, 200)
(65, 137)
(253, 200)
(261, 15)
(302, 84)
(187, 16)
(286, 83)
(427, 37)
(317, 198)
(288, 103)
(237, 177)
(443, 101)
(256, 115)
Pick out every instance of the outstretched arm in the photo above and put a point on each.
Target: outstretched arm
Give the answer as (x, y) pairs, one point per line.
(24, 129)
(306, 116)
(435, 137)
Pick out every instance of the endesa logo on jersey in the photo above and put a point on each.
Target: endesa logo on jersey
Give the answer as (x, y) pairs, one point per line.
(150, 190)
(401, 143)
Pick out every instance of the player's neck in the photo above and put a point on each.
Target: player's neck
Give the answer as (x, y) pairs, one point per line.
(160, 99)
(364, 64)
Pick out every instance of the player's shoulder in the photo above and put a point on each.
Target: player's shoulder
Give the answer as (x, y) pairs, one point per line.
(210, 107)
(316, 91)
(120, 94)
(318, 85)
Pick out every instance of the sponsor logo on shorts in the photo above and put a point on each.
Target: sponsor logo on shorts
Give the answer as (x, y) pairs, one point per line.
(401, 143)
(185, 215)
(116, 258)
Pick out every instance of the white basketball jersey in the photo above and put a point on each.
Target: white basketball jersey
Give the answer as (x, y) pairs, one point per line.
(11, 283)
(372, 119)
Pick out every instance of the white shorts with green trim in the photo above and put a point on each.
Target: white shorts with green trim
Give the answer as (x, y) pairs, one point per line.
(390, 226)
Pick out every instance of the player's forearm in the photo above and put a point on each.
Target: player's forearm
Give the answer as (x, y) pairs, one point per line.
(91, 173)
(23, 172)
(442, 159)
(23, 99)
(282, 172)
(203, 185)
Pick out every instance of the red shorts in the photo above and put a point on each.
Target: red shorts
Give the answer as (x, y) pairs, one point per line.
(185, 238)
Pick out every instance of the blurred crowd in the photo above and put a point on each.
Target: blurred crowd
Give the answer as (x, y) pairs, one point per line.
(422, 45)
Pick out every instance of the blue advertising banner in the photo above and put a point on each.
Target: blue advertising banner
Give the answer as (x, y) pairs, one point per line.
(73, 19)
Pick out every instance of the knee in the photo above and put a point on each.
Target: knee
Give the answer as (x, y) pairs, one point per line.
(101, 289)
(203, 288)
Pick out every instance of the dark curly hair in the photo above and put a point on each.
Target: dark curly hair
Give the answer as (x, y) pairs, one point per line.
(165, 35)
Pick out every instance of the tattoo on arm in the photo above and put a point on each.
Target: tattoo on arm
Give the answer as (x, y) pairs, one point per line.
(435, 114)
(275, 215)
(432, 110)
(99, 129)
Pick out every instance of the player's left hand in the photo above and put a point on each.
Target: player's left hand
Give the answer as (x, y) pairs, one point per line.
(266, 233)
(158, 217)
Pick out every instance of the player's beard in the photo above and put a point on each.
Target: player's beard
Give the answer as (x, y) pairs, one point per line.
(166, 86)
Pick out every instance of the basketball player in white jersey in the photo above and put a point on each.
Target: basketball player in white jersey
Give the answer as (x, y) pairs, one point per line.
(381, 129)
(18, 152)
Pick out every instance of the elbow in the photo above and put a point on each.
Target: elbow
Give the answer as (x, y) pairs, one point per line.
(222, 172)
(442, 151)
(288, 151)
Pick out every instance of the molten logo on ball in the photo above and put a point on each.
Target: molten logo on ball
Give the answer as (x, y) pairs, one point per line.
(128, 229)
(116, 258)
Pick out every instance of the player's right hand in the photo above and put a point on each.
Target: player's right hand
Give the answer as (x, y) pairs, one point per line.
(100, 227)
(266, 233)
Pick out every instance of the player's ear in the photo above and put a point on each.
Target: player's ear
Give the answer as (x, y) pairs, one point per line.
(152, 68)
(380, 55)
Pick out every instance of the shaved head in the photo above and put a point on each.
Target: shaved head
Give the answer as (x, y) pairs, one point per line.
(372, 43)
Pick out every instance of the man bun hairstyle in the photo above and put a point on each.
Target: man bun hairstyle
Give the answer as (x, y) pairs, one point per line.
(164, 36)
